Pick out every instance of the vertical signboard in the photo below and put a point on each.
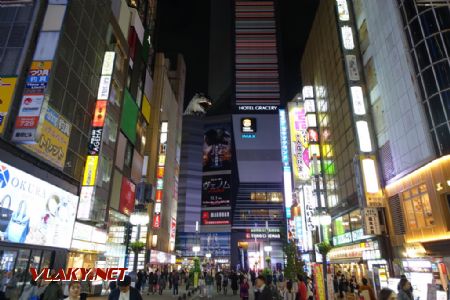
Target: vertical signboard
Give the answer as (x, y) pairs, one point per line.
(299, 141)
(217, 148)
(173, 231)
(160, 175)
(287, 175)
(95, 139)
(7, 87)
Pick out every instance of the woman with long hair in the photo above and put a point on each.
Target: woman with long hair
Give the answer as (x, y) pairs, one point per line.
(405, 292)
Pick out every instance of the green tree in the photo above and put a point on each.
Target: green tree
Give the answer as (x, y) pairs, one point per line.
(295, 265)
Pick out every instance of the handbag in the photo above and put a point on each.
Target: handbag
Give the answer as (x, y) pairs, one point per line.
(5, 213)
(19, 225)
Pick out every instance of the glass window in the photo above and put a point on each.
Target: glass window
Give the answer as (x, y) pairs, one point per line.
(417, 207)
(410, 9)
(443, 16)
(275, 197)
(429, 81)
(355, 220)
(446, 100)
(442, 70)
(436, 48)
(416, 32)
(409, 213)
(428, 23)
(443, 136)
(21, 273)
(446, 36)
(422, 55)
(437, 111)
(346, 223)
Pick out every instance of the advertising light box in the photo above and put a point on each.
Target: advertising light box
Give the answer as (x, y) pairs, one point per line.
(33, 211)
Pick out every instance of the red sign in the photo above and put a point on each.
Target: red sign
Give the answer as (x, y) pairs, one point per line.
(79, 274)
(158, 196)
(26, 122)
(127, 196)
(100, 112)
(216, 217)
(156, 221)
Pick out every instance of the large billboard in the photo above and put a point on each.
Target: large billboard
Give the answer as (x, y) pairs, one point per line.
(7, 86)
(33, 211)
(216, 217)
(53, 139)
(217, 147)
(216, 190)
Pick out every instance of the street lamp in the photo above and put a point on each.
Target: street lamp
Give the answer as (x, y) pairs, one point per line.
(138, 219)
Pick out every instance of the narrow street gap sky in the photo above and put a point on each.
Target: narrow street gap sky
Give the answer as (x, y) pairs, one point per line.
(183, 27)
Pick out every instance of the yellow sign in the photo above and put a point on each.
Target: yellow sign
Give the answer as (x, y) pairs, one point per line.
(90, 170)
(320, 287)
(53, 139)
(7, 86)
(41, 65)
(146, 109)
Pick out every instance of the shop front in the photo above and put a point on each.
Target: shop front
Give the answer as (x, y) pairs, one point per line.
(36, 223)
(428, 276)
(87, 251)
(361, 260)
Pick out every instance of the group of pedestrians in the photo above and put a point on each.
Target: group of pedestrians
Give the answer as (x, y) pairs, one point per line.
(157, 281)
(350, 288)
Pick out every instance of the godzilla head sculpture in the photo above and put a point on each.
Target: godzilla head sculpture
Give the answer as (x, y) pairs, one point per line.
(198, 105)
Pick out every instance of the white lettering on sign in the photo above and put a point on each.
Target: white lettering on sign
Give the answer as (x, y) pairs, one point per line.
(258, 107)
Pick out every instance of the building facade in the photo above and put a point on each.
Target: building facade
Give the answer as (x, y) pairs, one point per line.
(259, 206)
(395, 52)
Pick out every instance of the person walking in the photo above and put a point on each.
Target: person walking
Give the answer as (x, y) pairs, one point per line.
(302, 289)
(151, 278)
(290, 291)
(125, 291)
(262, 290)
(366, 291)
(140, 280)
(243, 293)
(209, 285)
(234, 283)
(218, 282)
(161, 284)
(175, 282)
(405, 292)
(225, 284)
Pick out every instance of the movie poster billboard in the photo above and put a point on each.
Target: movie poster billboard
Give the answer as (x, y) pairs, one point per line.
(216, 190)
(33, 211)
(217, 147)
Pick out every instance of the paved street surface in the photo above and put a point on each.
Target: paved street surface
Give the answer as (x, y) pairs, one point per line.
(167, 295)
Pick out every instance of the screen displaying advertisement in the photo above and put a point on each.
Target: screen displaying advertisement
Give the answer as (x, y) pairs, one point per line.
(216, 190)
(33, 211)
(217, 147)
(216, 217)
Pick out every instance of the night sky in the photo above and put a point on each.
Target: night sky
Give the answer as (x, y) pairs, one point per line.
(183, 27)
